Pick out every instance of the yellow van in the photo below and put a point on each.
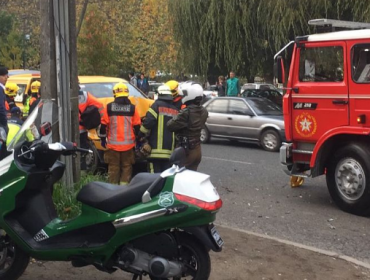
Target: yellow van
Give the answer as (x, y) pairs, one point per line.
(99, 86)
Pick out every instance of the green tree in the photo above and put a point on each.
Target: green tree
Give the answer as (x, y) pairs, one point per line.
(95, 50)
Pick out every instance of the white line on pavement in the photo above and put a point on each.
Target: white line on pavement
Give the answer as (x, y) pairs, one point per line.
(298, 245)
(234, 161)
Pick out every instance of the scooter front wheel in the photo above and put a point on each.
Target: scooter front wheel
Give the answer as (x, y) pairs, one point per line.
(194, 257)
(13, 260)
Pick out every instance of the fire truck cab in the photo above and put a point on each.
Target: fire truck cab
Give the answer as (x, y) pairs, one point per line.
(327, 111)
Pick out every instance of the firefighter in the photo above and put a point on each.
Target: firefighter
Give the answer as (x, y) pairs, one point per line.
(154, 129)
(120, 125)
(11, 90)
(188, 124)
(174, 87)
(35, 87)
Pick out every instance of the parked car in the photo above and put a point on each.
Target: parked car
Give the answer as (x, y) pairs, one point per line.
(102, 88)
(211, 91)
(22, 72)
(271, 94)
(153, 88)
(257, 86)
(252, 119)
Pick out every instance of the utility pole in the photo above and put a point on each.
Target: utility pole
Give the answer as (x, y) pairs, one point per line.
(59, 70)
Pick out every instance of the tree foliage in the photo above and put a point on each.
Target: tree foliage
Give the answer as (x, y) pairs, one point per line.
(243, 35)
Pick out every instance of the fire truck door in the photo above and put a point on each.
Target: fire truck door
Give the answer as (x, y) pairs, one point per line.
(320, 90)
(359, 82)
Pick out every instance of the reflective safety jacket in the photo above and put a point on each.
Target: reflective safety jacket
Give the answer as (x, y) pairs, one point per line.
(154, 127)
(86, 99)
(119, 121)
(14, 125)
(26, 107)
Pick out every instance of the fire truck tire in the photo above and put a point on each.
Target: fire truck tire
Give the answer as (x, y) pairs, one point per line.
(270, 140)
(348, 179)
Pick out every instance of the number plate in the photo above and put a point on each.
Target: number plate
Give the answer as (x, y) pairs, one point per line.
(216, 236)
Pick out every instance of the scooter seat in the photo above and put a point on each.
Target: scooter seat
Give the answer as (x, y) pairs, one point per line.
(112, 198)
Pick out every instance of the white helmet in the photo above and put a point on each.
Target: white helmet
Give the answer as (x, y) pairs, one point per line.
(164, 92)
(191, 91)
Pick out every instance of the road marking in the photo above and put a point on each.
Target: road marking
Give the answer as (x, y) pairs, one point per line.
(233, 161)
(301, 246)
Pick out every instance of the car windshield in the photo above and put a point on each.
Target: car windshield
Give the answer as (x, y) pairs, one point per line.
(264, 107)
(103, 90)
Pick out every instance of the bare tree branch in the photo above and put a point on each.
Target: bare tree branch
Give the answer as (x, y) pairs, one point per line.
(82, 16)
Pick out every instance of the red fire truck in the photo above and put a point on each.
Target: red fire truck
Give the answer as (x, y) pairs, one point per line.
(327, 111)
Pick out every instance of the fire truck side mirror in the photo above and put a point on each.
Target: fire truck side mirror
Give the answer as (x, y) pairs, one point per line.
(279, 70)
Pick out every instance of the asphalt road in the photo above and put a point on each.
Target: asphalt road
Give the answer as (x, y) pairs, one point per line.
(257, 197)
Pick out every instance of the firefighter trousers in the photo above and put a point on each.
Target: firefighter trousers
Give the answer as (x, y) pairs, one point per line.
(158, 165)
(119, 166)
(193, 158)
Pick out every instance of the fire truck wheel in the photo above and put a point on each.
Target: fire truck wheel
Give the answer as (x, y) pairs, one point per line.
(270, 140)
(348, 179)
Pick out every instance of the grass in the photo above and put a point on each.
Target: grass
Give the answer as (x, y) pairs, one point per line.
(65, 198)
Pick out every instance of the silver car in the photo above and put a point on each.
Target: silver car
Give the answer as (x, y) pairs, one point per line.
(252, 119)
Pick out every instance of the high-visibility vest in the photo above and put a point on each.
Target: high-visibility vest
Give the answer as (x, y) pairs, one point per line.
(13, 130)
(120, 120)
(26, 107)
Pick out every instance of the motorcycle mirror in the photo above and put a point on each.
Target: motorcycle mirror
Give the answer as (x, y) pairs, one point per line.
(45, 128)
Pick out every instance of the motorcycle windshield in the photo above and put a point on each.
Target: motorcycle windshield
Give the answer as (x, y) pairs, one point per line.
(38, 125)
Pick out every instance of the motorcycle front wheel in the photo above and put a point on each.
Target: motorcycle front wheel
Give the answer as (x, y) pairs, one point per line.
(195, 258)
(13, 261)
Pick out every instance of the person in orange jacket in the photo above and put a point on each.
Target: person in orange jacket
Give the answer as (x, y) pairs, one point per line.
(120, 125)
(86, 99)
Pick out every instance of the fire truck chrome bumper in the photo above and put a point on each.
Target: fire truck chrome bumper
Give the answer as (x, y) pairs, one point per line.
(286, 154)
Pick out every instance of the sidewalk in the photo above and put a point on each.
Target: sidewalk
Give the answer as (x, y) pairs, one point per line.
(244, 256)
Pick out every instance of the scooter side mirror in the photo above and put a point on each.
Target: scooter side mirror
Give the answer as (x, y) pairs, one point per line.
(178, 157)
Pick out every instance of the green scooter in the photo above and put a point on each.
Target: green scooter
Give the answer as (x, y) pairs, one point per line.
(158, 226)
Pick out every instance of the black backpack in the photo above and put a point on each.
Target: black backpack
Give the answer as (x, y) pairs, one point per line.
(90, 118)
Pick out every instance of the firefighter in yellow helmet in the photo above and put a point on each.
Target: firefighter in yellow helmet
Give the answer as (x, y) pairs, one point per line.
(154, 130)
(177, 98)
(35, 88)
(11, 90)
(120, 125)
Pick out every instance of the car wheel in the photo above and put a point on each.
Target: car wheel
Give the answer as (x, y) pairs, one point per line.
(204, 135)
(348, 179)
(270, 140)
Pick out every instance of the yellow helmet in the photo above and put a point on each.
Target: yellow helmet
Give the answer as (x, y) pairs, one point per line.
(11, 89)
(120, 90)
(35, 87)
(174, 86)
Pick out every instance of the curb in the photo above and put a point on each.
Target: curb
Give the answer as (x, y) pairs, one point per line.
(301, 246)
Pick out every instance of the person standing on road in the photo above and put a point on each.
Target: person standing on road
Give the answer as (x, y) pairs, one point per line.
(221, 86)
(188, 124)
(133, 80)
(154, 128)
(143, 84)
(87, 100)
(120, 125)
(3, 118)
(232, 85)
(174, 87)
(11, 90)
